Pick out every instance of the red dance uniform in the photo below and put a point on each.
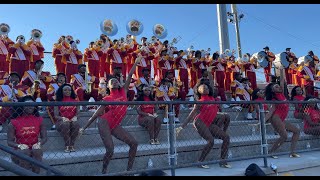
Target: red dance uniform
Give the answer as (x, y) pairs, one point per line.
(27, 129)
(208, 112)
(68, 111)
(282, 110)
(298, 98)
(147, 108)
(314, 115)
(115, 113)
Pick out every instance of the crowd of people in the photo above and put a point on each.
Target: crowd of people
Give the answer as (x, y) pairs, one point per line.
(120, 70)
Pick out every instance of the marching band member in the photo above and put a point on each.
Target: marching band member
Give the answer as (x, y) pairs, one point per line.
(147, 80)
(31, 77)
(92, 56)
(165, 64)
(131, 46)
(271, 58)
(36, 47)
(116, 55)
(165, 92)
(287, 70)
(306, 73)
(243, 93)
(51, 95)
(10, 93)
(230, 67)
(58, 52)
(5, 42)
(220, 65)
(104, 65)
(80, 84)
(293, 70)
(147, 56)
(198, 64)
(182, 65)
(4, 77)
(249, 67)
(20, 56)
(73, 58)
(235, 84)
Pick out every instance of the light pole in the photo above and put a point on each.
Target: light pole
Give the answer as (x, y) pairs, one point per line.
(223, 27)
(235, 19)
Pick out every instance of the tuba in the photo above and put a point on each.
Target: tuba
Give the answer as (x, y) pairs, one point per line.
(108, 27)
(261, 58)
(4, 29)
(282, 59)
(134, 27)
(36, 35)
(304, 59)
(159, 31)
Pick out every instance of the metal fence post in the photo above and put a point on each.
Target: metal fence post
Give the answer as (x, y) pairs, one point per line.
(172, 152)
(264, 143)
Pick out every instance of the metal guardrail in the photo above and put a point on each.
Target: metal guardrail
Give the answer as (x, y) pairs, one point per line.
(24, 172)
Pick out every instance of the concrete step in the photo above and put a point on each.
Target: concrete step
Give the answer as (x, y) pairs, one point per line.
(88, 161)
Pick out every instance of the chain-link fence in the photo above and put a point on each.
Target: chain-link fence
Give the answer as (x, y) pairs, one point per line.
(124, 137)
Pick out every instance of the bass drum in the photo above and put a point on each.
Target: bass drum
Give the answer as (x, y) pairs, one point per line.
(282, 59)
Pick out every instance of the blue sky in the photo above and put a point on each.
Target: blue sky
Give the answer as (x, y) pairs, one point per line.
(278, 26)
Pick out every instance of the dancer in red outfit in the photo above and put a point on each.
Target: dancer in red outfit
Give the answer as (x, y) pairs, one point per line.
(148, 117)
(277, 115)
(297, 95)
(312, 117)
(67, 117)
(27, 133)
(205, 118)
(111, 117)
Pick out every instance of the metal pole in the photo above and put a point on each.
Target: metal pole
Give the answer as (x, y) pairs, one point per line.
(223, 27)
(236, 20)
(263, 131)
(172, 152)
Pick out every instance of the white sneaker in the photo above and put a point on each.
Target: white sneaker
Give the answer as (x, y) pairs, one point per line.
(249, 116)
(176, 120)
(53, 127)
(1, 128)
(165, 120)
(225, 106)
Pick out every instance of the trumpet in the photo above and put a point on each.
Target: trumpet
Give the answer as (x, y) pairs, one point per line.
(175, 41)
(36, 35)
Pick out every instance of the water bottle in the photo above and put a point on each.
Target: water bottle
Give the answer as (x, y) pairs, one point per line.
(150, 163)
(308, 145)
(229, 154)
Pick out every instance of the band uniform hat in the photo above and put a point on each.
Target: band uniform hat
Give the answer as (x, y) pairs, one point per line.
(39, 61)
(15, 73)
(266, 48)
(288, 49)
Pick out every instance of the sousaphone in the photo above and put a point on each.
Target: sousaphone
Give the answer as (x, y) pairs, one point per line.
(159, 31)
(108, 27)
(134, 27)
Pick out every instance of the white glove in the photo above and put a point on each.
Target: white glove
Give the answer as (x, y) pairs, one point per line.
(74, 119)
(178, 130)
(81, 130)
(155, 115)
(36, 145)
(64, 119)
(23, 146)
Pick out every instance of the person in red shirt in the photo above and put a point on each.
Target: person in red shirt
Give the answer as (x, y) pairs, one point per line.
(297, 95)
(205, 116)
(27, 133)
(148, 117)
(67, 116)
(311, 117)
(111, 118)
(259, 95)
(277, 115)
